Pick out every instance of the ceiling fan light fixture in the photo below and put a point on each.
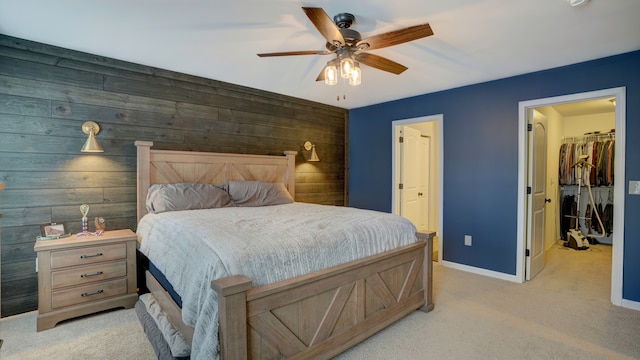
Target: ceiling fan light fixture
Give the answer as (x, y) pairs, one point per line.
(346, 66)
(331, 74)
(356, 75)
(347, 45)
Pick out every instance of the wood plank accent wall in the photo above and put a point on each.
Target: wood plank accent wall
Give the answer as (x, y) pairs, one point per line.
(47, 92)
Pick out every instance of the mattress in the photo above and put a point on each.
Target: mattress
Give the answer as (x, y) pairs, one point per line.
(159, 276)
(267, 244)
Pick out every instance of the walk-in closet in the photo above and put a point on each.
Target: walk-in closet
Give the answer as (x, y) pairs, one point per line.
(580, 177)
(586, 180)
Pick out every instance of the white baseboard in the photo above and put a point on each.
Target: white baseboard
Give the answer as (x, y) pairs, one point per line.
(629, 304)
(480, 271)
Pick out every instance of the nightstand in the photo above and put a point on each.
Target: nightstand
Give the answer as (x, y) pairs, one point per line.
(81, 275)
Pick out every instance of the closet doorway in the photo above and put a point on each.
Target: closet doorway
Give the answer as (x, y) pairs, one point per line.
(426, 135)
(578, 120)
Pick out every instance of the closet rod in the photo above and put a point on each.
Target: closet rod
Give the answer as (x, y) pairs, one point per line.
(589, 137)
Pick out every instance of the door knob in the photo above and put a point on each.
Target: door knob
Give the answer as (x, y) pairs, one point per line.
(547, 200)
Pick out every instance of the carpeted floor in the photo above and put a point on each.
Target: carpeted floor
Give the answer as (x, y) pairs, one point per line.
(564, 313)
(109, 335)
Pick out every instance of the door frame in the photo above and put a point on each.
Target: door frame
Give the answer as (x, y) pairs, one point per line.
(438, 118)
(619, 94)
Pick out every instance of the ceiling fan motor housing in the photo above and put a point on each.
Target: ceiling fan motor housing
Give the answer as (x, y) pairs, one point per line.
(344, 20)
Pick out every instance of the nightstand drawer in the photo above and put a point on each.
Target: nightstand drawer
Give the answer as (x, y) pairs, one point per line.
(88, 293)
(88, 255)
(87, 274)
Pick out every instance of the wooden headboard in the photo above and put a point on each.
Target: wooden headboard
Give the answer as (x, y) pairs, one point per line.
(169, 166)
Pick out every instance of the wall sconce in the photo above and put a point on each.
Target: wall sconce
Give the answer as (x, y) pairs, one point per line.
(309, 146)
(91, 145)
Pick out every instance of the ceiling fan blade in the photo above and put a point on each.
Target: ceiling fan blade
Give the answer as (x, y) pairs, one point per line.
(380, 63)
(290, 53)
(325, 25)
(395, 37)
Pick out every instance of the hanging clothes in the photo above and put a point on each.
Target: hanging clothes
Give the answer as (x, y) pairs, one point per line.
(598, 151)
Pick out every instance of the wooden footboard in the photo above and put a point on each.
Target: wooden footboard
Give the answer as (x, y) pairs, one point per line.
(320, 315)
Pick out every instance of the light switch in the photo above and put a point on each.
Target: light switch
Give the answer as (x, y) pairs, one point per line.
(634, 187)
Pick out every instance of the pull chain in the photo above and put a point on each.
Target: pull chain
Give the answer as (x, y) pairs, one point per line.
(344, 95)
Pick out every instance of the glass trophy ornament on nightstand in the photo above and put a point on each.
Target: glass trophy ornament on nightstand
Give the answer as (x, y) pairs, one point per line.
(84, 209)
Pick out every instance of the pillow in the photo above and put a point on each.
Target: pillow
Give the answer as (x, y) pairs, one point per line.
(186, 196)
(258, 193)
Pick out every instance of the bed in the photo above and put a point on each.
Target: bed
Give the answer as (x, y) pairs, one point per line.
(315, 313)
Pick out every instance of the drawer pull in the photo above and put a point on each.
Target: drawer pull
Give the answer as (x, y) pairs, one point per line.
(89, 275)
(90, 256)
(92, 293)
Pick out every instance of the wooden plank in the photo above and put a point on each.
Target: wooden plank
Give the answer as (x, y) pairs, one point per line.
(303, 129)
(52, 197)
(37, 125)
(20, 180)
(35, 50)
(16, 53)
(232, 315)
(119, 195)
(189, 99)
(11, 161)
(274, 295)
(42, 72)
(19, 234)
(116, 115)
(20, 105)
(25, 216)
(332, 314)
(20, 304)
(17, 270)
(277, 334)
(19, 288)
(18, 252)
(41, 89)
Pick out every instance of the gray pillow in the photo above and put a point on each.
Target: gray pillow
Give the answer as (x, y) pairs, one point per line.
(186, 196)
(258, 193)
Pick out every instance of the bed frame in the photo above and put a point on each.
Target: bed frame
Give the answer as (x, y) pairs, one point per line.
(317, 315)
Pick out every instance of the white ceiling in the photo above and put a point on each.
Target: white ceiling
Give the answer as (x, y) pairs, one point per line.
(474, 40)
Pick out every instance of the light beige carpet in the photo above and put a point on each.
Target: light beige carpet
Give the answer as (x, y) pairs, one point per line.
(564, 313)
(109, 335)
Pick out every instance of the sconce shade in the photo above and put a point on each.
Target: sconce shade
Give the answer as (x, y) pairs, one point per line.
(91, 145)
(309, 146)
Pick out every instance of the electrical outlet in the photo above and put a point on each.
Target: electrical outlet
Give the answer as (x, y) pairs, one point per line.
(634, 187)
(467, 240)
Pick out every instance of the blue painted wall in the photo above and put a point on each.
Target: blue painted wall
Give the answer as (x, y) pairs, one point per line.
(481, 157)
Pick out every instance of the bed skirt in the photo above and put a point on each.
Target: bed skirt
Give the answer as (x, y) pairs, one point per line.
(156, 338)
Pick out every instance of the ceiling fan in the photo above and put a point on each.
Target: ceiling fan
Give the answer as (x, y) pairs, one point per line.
(350, 49)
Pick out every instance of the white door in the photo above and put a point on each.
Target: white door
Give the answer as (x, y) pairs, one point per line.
(410, 175)
(537, 179)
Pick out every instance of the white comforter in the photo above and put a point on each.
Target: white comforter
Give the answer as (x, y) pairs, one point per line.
(266, 244)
